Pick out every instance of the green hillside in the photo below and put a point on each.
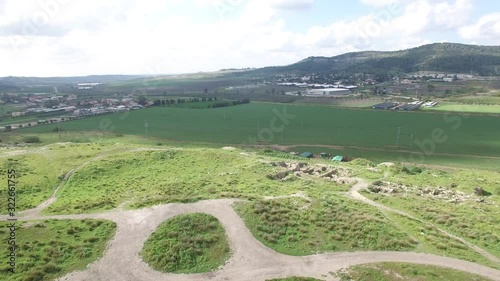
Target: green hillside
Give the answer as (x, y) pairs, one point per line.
(443, 57)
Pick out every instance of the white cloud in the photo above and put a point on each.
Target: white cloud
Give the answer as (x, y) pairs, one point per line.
(292, 4)
(380, 3)
(452, 15)
(485, 30)
(129, 36)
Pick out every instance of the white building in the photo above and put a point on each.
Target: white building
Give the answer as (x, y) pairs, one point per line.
(328, 92)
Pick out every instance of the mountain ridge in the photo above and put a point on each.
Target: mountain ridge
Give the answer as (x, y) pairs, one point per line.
(439, 57)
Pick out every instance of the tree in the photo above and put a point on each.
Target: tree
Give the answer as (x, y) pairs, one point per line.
(431, 88)
(142, 100)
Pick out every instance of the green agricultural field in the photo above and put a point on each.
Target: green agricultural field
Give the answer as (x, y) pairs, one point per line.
(7, 109)
(378, 156)
(328, 224)
(50, 249)
(434, 135)
(467, 108)
(191, 243)
(40, 170)
(402, 271)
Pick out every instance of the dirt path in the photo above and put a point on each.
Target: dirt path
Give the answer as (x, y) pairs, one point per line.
(354, 192)
(250, 261)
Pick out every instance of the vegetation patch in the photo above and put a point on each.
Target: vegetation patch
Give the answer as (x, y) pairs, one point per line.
(449, 200)
(192, 243)
(475, 222)
(328, 224)
(469, 108)
(145, 178)
(50, 249)
(40, 170)
(31, 139)
(404, 271)
(432, 240)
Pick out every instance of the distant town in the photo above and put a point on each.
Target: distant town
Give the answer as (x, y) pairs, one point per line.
(58, 108)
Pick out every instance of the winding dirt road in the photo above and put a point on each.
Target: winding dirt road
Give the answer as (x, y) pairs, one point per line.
(250, 261)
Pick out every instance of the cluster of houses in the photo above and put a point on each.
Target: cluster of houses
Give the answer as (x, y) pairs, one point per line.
(432, 77)
(320, 90)
(62, 108)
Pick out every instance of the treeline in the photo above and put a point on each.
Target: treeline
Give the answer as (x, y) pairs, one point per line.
(182, 101)
(229, 103)
(203, 102)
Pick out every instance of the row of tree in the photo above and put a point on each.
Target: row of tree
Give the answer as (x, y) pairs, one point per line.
(212, 102)
(229, 103)
(162, 102)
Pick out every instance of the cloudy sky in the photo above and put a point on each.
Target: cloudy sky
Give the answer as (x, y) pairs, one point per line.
(83, 37)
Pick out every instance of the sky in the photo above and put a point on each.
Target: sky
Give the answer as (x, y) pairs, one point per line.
(86, 37)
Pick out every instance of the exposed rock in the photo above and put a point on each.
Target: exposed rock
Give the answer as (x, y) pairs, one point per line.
(330, 174)
(309, 171)
(479, 191)
(282, 164)
(386, 164)
(281, 175)
(294, 168)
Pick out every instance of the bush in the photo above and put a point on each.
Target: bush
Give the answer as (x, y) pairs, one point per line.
(51, 268)
(374, 188)
(31, 139)
(362, 162)
(35, 275)
(412, 170)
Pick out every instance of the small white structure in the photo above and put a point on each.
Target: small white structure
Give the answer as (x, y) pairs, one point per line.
(328, 92)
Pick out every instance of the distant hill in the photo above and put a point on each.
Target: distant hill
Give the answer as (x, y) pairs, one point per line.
(7, 87)
(442, 57)
(14, 82)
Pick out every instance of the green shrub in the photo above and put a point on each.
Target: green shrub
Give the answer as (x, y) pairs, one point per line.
(362, 162)
(413, 170)
(31, 139)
